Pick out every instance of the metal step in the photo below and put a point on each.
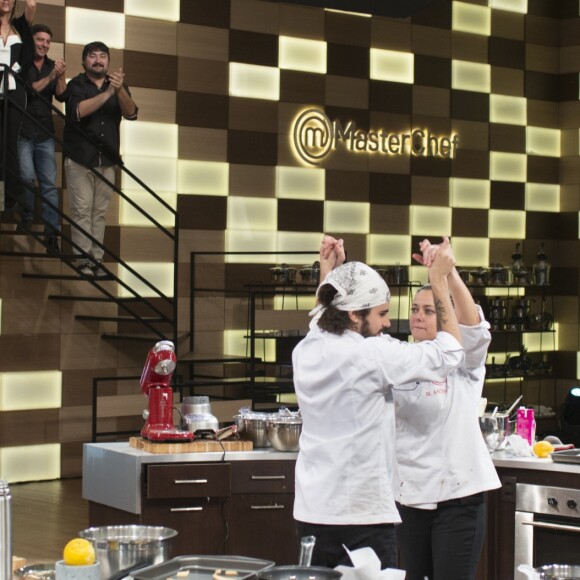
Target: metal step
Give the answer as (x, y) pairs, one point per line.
(151, 319)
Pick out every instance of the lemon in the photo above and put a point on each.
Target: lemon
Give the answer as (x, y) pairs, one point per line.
(543, 448)
(79, 552)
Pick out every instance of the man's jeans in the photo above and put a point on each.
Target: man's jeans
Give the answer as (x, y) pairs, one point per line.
(37, 160)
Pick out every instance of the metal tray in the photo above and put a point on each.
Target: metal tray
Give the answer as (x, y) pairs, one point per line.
(566, 456)
(203, 568)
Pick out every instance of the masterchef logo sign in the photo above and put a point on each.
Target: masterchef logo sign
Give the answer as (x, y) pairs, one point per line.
(314, 138)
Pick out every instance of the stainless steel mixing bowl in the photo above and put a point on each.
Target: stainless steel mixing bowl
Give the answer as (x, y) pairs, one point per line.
(121, 547)
(284, 433)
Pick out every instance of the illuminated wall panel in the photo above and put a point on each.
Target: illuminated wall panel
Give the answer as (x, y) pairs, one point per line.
(81, 25)
(249, 241)
(21, 391)
(160, 274)
(507, 224)
(541, 341)
(300, 183)
(471, 252)
(430, 221)
(30, 463)
(254, 81)
(469, 193)
(542, 141)
(391, 65)
(508, 166)
(166, 10)
(203, 177)
(471, 18)
(236, 344)
(385, 250)
(156, 172)
(248, 213)
(520, 6)
(298, 242)
(302, 54)
(131, 216)
(509, 110)
(346, 217)
(140, 138)
(471, 76)
(542, 197)
(300, 302)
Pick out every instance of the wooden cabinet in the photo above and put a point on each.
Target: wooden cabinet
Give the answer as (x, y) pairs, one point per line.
(260, 511)
(189, 498)
(242, 508)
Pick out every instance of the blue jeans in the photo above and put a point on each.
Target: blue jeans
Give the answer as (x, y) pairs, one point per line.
(37, 160)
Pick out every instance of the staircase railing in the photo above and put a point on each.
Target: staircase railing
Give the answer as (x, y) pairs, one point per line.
(172, 236)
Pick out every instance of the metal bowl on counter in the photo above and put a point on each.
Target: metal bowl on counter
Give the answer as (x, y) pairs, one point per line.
(252, 427)
(283, 274)
(558, 572)
(284, 433)
(125, 547)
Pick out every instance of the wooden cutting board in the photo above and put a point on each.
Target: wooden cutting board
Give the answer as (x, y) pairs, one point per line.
(201, 446)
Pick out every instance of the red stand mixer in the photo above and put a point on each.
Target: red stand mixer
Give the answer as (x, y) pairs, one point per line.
(156, 386)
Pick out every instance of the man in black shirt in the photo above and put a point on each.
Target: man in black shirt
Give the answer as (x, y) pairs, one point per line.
(96, 102)
(36, 142)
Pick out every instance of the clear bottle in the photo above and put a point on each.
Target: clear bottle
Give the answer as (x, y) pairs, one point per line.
(5, 531)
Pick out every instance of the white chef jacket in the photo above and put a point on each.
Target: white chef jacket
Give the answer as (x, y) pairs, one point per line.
(440, 450)
(344, 471)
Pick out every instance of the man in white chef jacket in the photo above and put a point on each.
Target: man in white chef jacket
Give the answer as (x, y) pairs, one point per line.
(344, 370)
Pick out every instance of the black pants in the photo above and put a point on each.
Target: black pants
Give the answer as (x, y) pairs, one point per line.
(445, 543)
(329, 551)
(10, 172)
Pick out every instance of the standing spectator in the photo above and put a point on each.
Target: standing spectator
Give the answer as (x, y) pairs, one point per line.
(344, 372)
(36, 142)
(17, 50)
(96, 103)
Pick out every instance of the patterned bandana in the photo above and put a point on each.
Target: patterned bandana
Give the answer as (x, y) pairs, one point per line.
(358, 287)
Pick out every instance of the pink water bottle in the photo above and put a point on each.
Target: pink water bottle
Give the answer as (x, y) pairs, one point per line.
(526, 424)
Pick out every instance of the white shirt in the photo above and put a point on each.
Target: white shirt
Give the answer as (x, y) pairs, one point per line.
(440, 450)
(344, 471)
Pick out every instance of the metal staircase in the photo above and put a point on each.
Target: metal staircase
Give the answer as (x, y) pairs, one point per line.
(146, 314)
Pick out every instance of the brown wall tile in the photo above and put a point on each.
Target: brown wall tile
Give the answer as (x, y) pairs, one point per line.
(507, 81)
(469, 222)
(202, 212)
(507, 195)
(253, 115)
(140, 31)
(253, 48)
(389, 219)
(252, 181)
(301, 87)
(202, 110)
(202, 42)
(346, 60)
(507, 52)
(431, 41)
(251, 147)
(296, 215)
(206, 12)
(157, 71)
(507, 24)
(203, 76)
(202, 144)
(431, 101)
(346, 28)
(509, 138)
(347, 92)
(255, 16)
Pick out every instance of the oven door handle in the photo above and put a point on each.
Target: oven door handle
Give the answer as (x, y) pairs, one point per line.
(553, 526)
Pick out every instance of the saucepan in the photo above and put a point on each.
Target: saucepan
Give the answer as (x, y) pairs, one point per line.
(304, 571)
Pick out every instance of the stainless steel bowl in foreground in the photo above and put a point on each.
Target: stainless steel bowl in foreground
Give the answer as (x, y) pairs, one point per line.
(299, 573)
(284, 434)
(121, 547)
(559, 572)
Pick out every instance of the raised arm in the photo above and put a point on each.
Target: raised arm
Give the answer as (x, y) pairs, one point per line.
(463, 302)
(443, 264)
(30, 11)
(331, 255)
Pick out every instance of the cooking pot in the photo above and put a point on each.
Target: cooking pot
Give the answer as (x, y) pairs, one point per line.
(551, 572)
(283, 274)
(539, 321)
(310, 274)
(398, 275)
(299, 573)
(122, 547)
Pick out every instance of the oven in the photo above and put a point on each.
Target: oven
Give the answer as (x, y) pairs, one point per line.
(547, 526)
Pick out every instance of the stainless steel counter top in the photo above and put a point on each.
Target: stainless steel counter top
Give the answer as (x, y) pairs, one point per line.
(112, 471)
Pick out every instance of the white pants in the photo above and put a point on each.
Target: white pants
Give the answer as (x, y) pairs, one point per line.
(89, 199)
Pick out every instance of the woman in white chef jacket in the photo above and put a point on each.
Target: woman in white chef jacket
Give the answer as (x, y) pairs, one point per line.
(343, 374)
(443, 464)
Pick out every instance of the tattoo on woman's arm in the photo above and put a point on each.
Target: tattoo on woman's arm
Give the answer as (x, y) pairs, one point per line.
(441, 314)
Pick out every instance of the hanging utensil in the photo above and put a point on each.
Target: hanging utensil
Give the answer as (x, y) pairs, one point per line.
(513, 406)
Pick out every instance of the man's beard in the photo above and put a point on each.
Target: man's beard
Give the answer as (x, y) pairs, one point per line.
(99, 74)
(364, 329)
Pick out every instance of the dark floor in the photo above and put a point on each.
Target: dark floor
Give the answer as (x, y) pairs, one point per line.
(45, 516)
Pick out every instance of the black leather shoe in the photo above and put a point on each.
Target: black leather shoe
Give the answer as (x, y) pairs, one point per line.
(52, 247)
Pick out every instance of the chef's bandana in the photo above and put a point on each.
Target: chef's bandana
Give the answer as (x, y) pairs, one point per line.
(357, 286)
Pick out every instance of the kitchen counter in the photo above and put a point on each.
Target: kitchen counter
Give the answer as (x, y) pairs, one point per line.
(502, 459)
(112, 471)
